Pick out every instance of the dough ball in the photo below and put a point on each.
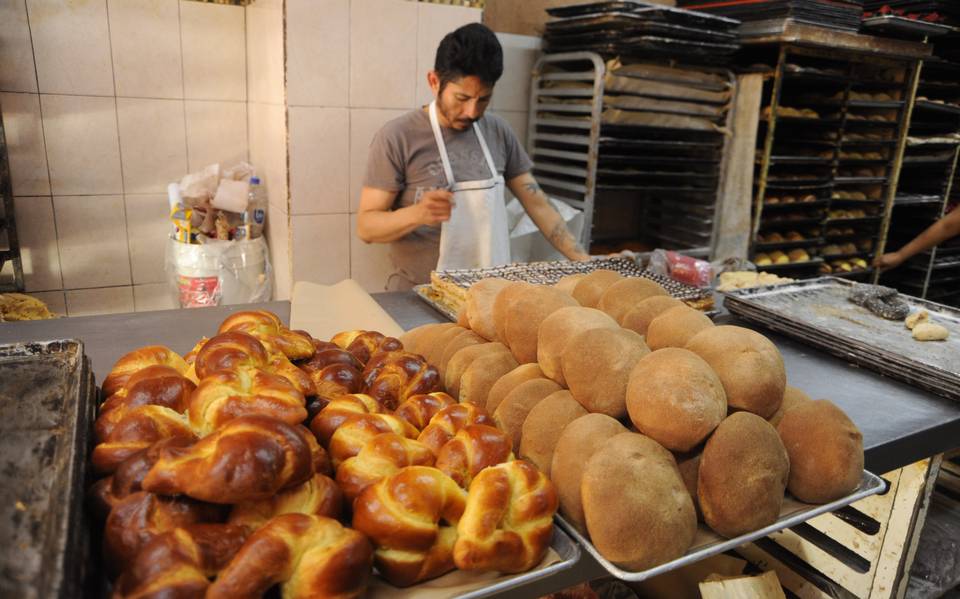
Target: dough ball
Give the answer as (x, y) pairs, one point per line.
(626, 293)
(559, 328)
(588, 290)
(596, 367)
(640, 316)
(524, 315)
(675, 326)
(541, 430)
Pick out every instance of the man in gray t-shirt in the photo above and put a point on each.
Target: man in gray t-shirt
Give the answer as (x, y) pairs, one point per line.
(405, 195)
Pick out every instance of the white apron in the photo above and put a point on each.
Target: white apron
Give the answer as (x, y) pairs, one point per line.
(476, 236)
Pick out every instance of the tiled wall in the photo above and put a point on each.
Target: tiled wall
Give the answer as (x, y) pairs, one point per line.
(105, 102)
(352, 65)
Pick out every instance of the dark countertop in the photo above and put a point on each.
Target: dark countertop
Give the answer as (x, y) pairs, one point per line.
(900, 424)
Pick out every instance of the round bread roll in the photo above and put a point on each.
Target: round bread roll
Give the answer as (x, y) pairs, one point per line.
(743, 474)
(462, 319)
(596, 367)
(625, 294)
(674, 398)
(639, 317)
(638, 511)
(506, 383)
(588, 290)
(481, 374)
(559, 328)
(568, 282)
(749, 366)
(674, 327)
(792, 397)
(433, 353)
(825, 449)
(462, 359)
(543, 426)
(466, 338)
(689, 466)
(416, 340)
(578, 441)
(479, 306)
(501, 301)
(524, 315)
(513, 410)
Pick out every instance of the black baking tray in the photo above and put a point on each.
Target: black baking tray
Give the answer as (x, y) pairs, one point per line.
(47, 406)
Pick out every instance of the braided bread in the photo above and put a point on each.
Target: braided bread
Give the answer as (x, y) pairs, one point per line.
(411, 517)
(338, 410)
(179, 562)
(445, 424)
(250, 457)
(393, 377)
(154, 385)
(319, 496)
(472, 449)
(310, 556)
(364, 344)
(419, 409)
(508, 520)
(236, 350)
(382, 456)
(131, 362)
(227, 394)
(357, 430)
(267, 327)
(128, 431)
(333, 371)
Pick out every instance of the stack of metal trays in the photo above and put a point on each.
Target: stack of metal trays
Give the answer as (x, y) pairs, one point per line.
(47, 403)
(835, 14)
(818, 313)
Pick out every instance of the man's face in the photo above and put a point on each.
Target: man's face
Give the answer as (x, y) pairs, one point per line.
(463, 101)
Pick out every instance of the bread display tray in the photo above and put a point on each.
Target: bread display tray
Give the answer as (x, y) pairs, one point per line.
(707, 543)
(817, 312)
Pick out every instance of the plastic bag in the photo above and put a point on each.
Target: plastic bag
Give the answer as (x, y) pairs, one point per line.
(219, 273)
(685, 269)
(527, 242)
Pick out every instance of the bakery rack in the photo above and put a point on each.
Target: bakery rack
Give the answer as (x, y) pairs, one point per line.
(9, 242)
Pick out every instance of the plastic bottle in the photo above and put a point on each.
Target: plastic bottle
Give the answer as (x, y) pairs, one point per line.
(255, 215)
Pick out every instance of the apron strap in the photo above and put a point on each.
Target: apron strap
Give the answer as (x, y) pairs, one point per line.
(441, 147)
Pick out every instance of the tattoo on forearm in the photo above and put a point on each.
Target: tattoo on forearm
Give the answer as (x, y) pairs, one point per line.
(561, 238)
(534, 188)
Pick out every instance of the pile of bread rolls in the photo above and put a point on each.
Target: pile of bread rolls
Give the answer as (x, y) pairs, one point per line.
(265, 458)
(645, 414)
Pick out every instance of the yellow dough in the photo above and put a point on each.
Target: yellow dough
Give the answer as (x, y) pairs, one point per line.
(927, 331)
(917, 318)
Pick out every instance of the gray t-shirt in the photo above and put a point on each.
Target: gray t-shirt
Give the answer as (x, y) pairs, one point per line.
(404, 158)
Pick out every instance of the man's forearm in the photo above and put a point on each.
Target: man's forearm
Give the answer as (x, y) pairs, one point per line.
(384, 226)
(935, 234)
(548, 220)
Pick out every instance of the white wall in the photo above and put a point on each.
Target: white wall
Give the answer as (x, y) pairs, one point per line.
(104, 102)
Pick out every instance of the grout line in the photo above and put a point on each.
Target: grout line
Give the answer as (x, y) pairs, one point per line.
(172, 99)
(183, 86)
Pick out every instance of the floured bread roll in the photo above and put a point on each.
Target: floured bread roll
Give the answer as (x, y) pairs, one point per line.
(506, 383)
(689, 466)
(567, 283)
(928, 331)
(625, 294)
(436, 345)
(479, 306)
(748, 364)
(466, 338)
(588, 290)
(416, 340)
(743, 474)
(825, 449)
(541, 430)
(513, 410)
(480, 376)
(792, 397)
(675, 398)
(650, 518)
(596, 367)
(675, 326)
(462, 359)
(559, 328)
(639, 317)
(524, 315)
(501, 302)
(578, 441)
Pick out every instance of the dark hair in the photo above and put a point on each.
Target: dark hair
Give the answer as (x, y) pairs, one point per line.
(470, 50)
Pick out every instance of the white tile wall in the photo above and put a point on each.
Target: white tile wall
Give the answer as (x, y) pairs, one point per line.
(72, 47)
(512, 91)
(370, 263)
(38, 243)
(82, 144)
(433, 23)
(104, 300)
(320, 246)
(364, 124)
(216, 132)
(268, 149)
(214, 48)
(153, 143)
(154, 296)
(92, 235)
(148, 226)
(145, 40)
(319, 160)
(26, 152)
(278, 237)
(54, 300)
(318, 53)
(265, 53)
(383, 53)
(18, 73)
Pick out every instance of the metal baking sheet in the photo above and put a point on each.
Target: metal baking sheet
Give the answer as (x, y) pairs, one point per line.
(817, 312)
(707, 543)
(897, 24)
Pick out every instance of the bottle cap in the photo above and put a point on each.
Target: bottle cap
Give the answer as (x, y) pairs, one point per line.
(255, 180)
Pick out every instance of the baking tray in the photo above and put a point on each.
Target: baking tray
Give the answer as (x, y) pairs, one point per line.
(707, 543)
(903, 25)
(818, 313)
(47, 402)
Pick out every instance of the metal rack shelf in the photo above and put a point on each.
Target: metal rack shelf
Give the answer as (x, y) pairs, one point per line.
(8, 227)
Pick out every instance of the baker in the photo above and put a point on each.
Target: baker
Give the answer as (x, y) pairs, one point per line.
(435, 178)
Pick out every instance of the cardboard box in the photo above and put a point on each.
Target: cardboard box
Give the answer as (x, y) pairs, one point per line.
(526, 17)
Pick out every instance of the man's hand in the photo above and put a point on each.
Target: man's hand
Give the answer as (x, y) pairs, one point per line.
(888, 261)
(434, 207)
